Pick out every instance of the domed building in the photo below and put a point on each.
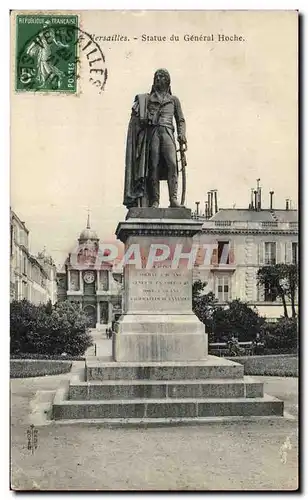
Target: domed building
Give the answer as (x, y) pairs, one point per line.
(91, 283)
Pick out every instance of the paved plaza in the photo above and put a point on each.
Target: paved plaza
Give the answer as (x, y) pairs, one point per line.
(215, 456)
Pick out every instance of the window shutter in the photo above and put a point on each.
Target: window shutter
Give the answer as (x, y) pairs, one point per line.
(214, 259)
(283, 252)
(231, 252)
(288, 252)
(278, 252)
(261, 254)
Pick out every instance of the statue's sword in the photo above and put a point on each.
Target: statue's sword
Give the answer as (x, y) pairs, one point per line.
(182, 150)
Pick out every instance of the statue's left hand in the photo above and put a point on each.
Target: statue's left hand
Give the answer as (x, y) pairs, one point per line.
(182, 140)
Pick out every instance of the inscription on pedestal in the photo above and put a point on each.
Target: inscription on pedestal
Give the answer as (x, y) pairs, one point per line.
(159, 289)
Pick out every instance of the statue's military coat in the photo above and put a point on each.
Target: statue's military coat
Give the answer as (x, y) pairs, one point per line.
(148, 111)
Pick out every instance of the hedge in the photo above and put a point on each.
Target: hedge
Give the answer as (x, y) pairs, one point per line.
(278, 366)
(48, 329)
(38, 368)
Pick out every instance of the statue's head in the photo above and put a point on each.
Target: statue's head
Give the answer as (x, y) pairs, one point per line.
(161, 81)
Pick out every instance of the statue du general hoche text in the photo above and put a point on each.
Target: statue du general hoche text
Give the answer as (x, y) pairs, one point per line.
(151, 154)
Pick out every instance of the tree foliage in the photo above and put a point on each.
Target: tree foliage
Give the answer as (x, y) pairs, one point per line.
(236, 319)
(281, 335)
(283, 281)
(47, 329)
(204, 305)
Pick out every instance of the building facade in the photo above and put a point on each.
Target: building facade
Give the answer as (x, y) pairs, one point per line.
(31, 277)
(240, 242)
(91, 283)
(50, 269)
(19, 258)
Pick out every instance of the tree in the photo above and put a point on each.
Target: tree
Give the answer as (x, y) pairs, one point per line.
(282, 279)
(23, 321)
(236, 319)
(204, 305)
(292, 281)
(47, 329)
(281, 335)
(197, 288)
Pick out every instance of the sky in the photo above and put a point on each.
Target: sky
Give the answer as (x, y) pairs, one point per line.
(239, 100)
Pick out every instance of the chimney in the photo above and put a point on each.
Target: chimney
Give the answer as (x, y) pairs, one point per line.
(209, 203)
(206, 210)
(271, 199)
(287, 204)
(212, 199)
(251, 202)
(197, 208)
(256, 204)
(215, 198)
(259, 198)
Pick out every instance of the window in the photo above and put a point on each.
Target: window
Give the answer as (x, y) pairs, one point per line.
(223, 288)
(223, 252)
(11, 239)
(104, 280)
(74, 280)
(294, 253)
(270, 253)
(24, 267)
(16, 234)
(24, 290)
(270, 294)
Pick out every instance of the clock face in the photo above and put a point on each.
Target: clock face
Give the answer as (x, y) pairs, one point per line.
(89, 277)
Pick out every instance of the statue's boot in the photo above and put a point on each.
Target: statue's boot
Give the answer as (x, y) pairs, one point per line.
(154, 192)
(173, 191)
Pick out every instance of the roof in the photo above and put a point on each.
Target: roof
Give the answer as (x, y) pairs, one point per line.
(13, 215)
(88, 233)
(34, 261)
(264, 215)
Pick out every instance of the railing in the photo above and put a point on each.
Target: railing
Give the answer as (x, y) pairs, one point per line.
(245, 225)
(223, 223)
(244, 348)
(269, 224)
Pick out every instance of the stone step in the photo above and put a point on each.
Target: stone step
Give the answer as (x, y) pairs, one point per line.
(129, 389)
(167, 408)
(212, 367)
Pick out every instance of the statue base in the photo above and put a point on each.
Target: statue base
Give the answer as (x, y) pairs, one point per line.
(167, 337)
(158, 213)
(157, 322)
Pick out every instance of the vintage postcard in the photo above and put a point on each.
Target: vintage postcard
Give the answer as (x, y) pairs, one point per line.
(154, 250)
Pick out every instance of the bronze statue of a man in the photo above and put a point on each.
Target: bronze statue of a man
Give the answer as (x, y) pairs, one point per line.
(151, 147)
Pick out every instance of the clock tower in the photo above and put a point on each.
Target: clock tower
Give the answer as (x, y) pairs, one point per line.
(91, 283)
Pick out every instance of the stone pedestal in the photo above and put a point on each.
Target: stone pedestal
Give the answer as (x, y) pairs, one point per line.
(157, 322)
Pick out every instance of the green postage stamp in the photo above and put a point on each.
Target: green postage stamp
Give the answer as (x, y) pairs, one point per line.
(46, 53)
